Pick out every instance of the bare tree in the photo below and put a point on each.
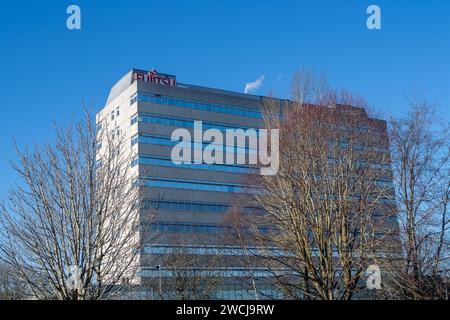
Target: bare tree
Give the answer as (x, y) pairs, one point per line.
(421, 151)
(187, 269)
(69, 229)
(323, 216)
(11, 287)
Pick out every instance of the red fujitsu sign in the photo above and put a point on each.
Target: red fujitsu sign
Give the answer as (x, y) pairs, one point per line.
(155, 77)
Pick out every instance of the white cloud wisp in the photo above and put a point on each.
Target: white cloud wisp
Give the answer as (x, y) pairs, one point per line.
(252, 86)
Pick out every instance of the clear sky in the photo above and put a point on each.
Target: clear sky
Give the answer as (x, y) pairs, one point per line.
(46, 69)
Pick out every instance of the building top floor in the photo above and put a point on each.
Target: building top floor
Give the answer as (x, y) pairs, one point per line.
(166, 85)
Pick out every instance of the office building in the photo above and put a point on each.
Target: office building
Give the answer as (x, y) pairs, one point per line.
(191, 199)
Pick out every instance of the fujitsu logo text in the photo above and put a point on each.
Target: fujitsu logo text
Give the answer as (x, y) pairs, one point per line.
(155, 77)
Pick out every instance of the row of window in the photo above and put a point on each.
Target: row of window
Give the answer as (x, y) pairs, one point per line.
(231, 250)
(226, 292)
(192, 185)
(230, 293)
(185, 227)
(263, 292)
(360, 146)
(184, 122)
(166, 141)
(234, 110)
(178, 227)
(216, 187)
(214, 250)
(393, 219)
(385, 183)
(115, 113)
(146, 160)
(216, 272)
(363, 164)
(188, 206)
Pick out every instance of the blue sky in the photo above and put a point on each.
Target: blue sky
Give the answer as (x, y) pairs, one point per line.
(46, 70)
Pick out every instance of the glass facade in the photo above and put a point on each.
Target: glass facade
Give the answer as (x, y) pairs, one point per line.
(196, 105)
(188, 206)
(180, 227)
(226, 292)
(232, 272)
(147, 160)
(213, 250)
(192, 185)
(185, 227)
(166, 141)
(183, 122)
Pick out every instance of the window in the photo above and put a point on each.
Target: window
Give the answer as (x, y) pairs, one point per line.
(166, 141)
(211, 107)
(216, 250)
(185, 122)
(167, 162)
(117, 111)
(223, 272)
(193, 185)
(187, 206)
